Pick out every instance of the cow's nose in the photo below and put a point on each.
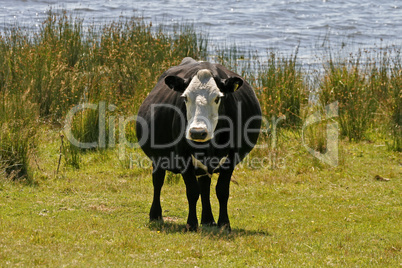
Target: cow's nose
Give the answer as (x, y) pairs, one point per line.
(197, 133)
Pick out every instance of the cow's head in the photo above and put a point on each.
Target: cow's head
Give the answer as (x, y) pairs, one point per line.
(202, 95)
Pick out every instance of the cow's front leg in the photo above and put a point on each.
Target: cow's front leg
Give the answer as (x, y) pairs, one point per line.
(158, 177)
(193, 193)
(207, 217)
(222, 192)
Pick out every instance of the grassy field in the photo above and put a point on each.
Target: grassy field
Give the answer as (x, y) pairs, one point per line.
(64, 206)
(301, 213)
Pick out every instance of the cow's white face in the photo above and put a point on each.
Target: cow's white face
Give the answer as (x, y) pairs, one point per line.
(202, 98)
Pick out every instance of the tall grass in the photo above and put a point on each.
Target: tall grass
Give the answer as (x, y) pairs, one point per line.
(347, 83)
(367, 86)
(54, 66)
(279, 81)
(17, 137)
(395, 106)
(281, 89)
(63, 64)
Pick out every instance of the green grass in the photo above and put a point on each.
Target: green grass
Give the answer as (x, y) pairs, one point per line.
(282, 90)
(17, 137)
(301, 213)
(367, 87)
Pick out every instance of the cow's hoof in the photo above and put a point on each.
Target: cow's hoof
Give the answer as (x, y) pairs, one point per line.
(209, 224)
(156, 219)
(225, 227)
(155, 215)
(191, 228)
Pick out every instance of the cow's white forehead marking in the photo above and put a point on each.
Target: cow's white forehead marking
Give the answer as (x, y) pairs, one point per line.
(201, 100)
(202, 81)
(204, 76)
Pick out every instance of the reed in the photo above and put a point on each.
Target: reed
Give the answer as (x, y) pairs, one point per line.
(279, 81)
(17, 137)
(346, 81)
(57, 65)
(395, 106)
(367, 85)
(281, 88)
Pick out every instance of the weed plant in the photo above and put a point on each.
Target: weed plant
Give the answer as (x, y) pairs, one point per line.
(281, 89)
(395, 105)
(367, 86)
(345, 82)
(278, 82)
(17, 137)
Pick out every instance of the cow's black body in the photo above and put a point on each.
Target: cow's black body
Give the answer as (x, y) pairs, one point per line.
(159, 124)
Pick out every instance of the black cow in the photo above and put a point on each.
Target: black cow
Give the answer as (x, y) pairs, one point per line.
(199, 119)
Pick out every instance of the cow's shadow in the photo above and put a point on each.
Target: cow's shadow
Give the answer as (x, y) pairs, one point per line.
(170, 227)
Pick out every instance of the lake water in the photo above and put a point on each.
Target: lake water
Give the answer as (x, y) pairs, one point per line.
(276, 25)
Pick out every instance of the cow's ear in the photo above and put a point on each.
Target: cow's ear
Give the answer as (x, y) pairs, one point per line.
(176, 83)
(229, 85)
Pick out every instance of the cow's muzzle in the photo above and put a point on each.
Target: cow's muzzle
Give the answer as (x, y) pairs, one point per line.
(198, 134)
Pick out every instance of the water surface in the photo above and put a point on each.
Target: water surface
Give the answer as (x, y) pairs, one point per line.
(279, 25)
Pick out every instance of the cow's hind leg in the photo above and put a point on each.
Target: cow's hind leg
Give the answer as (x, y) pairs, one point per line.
(207, 217)
(193, 193)
(158, 177)
(222, 192)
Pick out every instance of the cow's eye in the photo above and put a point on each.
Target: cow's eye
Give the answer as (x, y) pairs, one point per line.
(217, 99)
(184, 98)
